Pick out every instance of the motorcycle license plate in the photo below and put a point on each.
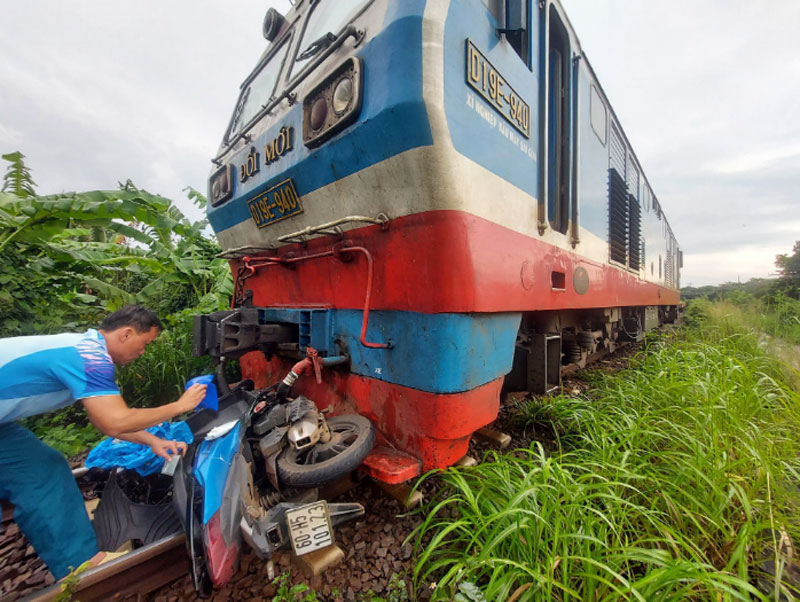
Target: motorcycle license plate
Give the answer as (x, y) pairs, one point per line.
(310, 527)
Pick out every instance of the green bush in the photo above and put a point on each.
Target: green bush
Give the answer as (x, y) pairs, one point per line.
(63, 433)
(781, 317)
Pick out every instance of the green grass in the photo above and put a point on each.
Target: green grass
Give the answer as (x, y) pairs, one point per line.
(668, 484)
(777, 315)
(780, 317)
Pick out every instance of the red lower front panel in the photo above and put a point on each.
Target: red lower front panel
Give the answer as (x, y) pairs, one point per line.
(435, 428)
(451, 261)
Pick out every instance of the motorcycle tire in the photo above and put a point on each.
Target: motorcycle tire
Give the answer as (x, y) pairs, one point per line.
(352, 437)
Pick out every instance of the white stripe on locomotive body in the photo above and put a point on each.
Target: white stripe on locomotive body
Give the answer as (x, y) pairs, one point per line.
(436, 188)
(439, 177)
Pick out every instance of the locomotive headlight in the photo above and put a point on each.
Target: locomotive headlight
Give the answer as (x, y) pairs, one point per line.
(342, 95)
(274, 24)
(334, 103)
(220, 185)
(319, 111)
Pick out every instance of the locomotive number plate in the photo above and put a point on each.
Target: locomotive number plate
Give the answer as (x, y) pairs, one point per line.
(273, 205)
(493, 87)
(309, 527)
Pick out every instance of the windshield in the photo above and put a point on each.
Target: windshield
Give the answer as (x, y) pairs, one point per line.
(327, 17)
(258, 91)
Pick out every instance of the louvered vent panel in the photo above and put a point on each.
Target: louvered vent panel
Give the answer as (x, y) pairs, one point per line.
(616, 156)
(634, 233)
(644, 256)
(632, 177)
(617, 217)
(669, 269)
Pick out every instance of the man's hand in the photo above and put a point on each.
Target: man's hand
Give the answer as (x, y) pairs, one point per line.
(166, 449)
(163, 448)
(192, 397)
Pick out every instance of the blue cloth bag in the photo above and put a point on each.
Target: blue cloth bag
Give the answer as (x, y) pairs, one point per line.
(111, 453)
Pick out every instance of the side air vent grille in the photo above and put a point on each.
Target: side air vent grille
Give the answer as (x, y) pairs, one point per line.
(617, 217)
(669, 269)
(644, 256)
(617, 151)
(634, 233)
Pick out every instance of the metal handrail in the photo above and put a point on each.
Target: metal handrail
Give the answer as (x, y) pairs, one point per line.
(332, 228)
(301, 236)
(239, 252)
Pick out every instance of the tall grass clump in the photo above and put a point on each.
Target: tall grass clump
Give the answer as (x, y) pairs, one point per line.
(781, 318)
(677, 478)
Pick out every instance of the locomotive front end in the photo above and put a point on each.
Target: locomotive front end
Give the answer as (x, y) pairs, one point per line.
(323, 199)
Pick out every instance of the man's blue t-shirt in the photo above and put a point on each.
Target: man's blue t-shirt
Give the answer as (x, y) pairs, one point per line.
(39, 374)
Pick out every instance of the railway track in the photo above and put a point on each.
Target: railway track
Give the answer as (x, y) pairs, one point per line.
(129, 576)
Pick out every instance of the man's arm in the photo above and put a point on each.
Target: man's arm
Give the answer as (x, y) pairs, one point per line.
(112, 416)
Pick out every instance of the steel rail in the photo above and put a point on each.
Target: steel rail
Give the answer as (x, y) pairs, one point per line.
(138, 572)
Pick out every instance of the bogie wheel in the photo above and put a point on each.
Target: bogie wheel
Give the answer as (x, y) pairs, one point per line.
(352, 437)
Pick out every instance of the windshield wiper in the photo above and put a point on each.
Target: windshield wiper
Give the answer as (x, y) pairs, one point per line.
(317, 46)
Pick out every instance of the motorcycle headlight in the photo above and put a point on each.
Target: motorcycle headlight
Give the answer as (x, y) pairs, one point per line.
(334, 103)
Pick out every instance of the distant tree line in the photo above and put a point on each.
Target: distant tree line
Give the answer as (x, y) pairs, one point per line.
(789, 270)
(786, 284)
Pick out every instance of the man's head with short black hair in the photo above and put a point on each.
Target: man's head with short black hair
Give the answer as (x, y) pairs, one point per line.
(137, 317)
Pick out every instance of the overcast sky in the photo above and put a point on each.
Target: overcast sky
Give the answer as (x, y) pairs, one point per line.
(708, 92)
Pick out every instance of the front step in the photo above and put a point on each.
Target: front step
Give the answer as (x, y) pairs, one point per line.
(402, 493)
(317, 562)
(493, 437)
(391, 466)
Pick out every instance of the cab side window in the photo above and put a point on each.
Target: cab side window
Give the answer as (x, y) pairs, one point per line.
(516, 27)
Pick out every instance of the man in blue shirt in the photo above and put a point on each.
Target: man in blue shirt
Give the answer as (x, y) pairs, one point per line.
(43, 373)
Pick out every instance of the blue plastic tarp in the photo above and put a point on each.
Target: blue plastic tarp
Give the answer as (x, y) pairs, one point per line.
(112, 453)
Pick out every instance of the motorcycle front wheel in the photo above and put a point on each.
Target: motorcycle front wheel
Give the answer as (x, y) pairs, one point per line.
(352, 437)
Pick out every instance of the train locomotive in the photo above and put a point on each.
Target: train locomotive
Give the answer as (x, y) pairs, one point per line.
(433, 200)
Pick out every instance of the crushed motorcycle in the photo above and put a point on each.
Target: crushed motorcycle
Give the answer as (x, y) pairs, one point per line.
(253, 473)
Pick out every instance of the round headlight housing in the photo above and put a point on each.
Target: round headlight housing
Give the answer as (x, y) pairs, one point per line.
(342, 95)
(274, 23)
(319, 111)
